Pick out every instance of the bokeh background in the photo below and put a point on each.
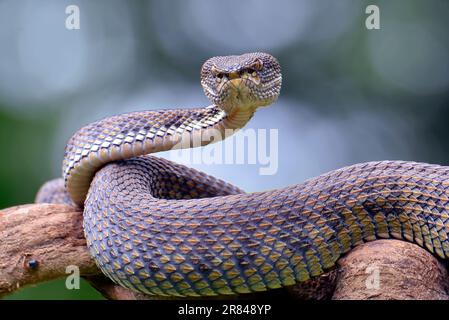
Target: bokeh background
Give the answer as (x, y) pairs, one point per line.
(349, 94)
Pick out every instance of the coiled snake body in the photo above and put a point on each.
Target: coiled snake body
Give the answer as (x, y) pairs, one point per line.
(164, 229)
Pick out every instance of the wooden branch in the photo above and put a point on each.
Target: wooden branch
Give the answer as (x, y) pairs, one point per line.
(38, 242)
(391, 270)
(381, 270)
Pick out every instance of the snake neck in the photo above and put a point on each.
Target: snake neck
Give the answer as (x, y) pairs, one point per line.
(237, 117)
(138, 133)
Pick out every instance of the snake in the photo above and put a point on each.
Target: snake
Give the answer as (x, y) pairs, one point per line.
(164, 229)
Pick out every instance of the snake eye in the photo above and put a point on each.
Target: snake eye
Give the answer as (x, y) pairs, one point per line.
(257, 65)
(215, 72)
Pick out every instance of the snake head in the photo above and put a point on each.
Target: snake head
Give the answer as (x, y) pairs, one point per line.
(246, 81)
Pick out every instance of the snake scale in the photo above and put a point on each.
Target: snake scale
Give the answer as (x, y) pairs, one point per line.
(161, 228)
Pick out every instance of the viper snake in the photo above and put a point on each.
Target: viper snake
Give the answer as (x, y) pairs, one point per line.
(164, 229)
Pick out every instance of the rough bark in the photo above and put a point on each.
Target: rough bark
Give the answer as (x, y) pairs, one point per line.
(403, 271)
(38, 242)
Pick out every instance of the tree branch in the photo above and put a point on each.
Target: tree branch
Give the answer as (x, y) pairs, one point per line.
(39, 241)
(403, 271)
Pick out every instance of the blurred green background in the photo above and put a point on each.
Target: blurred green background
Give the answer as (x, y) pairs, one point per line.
(349, 94)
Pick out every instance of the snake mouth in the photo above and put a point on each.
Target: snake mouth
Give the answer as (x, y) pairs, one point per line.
(234, 81)
(238, 93)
